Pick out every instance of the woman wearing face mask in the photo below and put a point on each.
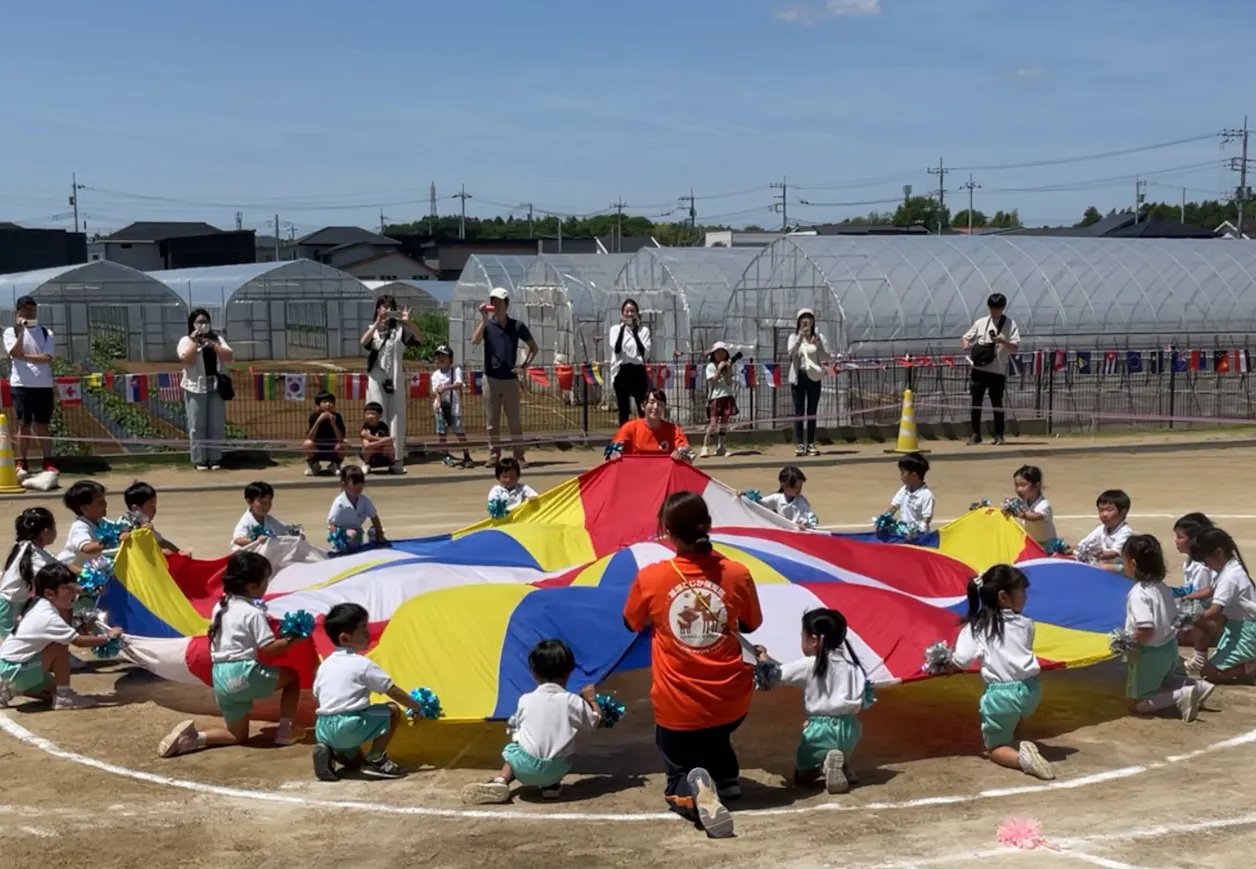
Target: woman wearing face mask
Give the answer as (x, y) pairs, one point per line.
(630, 348)
(204, 354)
(385, 341)
(806, 373)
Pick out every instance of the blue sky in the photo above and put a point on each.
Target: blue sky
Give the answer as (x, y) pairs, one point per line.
(327, 111)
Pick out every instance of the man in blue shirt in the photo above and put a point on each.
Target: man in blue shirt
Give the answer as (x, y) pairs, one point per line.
(501, 335)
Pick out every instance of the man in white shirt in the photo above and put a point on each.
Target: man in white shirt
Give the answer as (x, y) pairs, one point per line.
(990, 343)
(30, 346)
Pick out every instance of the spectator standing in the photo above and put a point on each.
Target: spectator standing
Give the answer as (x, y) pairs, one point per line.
(630, 348)
(500, 333)
(204, 353)
(990, 343)
(30, 346)
(385, 341)
(807, 352)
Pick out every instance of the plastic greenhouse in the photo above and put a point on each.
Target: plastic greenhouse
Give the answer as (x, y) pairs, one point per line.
(279, 310)
(419, 296)
(80, 303)
(481, 274)
(567, 299)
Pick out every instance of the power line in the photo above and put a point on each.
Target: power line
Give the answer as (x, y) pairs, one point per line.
(1084, 158)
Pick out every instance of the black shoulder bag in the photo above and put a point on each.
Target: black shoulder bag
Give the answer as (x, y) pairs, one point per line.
(982, 353)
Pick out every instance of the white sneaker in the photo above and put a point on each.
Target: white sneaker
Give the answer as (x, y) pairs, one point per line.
(1032, 763)
(705, 454)
(487, 793)
(835, 781)
(6, 694)
(285, 736)
(1188, 703)
(800, 450)
(72, 700)
(1205, 691)
(181, 740)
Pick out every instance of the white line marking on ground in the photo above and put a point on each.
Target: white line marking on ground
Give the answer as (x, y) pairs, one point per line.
(1095, 860)
(20, 733)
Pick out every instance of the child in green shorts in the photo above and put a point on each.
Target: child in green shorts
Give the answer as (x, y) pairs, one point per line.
(1154, 677)
(34, 530)
(1232, 609)
(346, 717)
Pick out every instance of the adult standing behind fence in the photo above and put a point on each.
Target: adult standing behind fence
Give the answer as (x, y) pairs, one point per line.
(29, 346)
(385, 341)
(807, 352)
(204, 354)
(630, 348)
(501, 335)
(990, 342)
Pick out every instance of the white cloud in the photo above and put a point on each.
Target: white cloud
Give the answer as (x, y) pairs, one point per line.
(1030, 72)
(808, 15)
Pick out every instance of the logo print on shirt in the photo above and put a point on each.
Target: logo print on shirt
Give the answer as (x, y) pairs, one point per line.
(664, 447)
(697, 615)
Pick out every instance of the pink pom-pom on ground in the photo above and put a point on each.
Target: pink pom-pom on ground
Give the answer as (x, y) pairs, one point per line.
(1022, 833)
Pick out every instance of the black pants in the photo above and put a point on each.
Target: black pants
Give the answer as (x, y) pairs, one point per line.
(995, 383)
(631, 385)
(806, 401)
(686, 750)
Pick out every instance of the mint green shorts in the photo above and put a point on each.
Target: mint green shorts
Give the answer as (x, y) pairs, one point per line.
(346, 732)
(824, 733)
(1149, 667)
(1237, 644)
(8, 619)
(238, 683)
(533, 771)
(1003, 706)
(26, 676)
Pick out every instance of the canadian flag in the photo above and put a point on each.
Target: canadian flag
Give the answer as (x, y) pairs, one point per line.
(69, 391)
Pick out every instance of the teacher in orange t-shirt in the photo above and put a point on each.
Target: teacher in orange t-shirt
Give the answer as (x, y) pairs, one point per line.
(652, 435)
(697, 604)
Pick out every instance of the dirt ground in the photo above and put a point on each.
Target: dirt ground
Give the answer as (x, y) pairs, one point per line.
(85, 788)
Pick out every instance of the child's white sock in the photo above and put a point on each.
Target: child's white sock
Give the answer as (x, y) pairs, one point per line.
(1161, 701)
(64, 691)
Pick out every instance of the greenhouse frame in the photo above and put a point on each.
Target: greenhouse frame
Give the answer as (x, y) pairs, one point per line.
(90, 301)
(279, 310)
(480, 276)
(421, 297)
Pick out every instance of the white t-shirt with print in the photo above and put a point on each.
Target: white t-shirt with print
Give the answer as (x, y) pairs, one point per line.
(40, 627)
(241, 632)
(1011, 660)
(244, 528)
(915, 509)
(547, 720)
(346, 515)
(30, 375)
(1232, 590)
(840, 692)
(12, 587)
(346, 680)
(451, 397)
(1151, 605)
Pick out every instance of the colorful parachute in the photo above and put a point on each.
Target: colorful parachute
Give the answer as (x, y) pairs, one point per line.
(459, 613)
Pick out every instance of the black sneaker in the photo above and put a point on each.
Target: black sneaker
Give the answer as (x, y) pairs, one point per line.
(312, 469)
(384, 767)
(323, 770)
(333, 468)
(712, 815)
(552, 792)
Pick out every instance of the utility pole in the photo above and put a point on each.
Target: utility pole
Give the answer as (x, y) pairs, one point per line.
(1183, 205)
(693, 214)
(1140, 196)
(941, 172)
(239, 221)
(431, 221)
(75, 187)
(278, 239)
(462, 218)
(528, 205)
(381, 221)
(782, 202)
(970, 187)
(1239, 164)
(619, 207)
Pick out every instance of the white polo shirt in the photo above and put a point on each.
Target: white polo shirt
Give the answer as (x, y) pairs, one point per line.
(346, 680)
(241, 632)
(1232, 590)
(12, 587)
(244, 528)
(547, 720)
(82, 531)
(914, 508)
(30, 375)
(1151, 605)
(1041, 530)
(1011, 660)
(344, 514)
(840, 692)
(39, 628)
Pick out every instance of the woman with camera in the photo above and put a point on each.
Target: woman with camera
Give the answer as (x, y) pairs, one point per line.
(630, 348)
(206, 389)
(990, 343)
(385, 341)
(807, 352)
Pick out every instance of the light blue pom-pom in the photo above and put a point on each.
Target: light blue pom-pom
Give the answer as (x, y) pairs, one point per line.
(611, 710)
(1181, 590)
(110, 649)
(429, 704)
(869, 694)
(497, 508)
(813, 522)
(1120, 643)
(753, 495)
(1188, 611)
(96, 575)
(109, 534)
(767, 675)
(612, 449)
(1014, 506)
(888, 527)
(257, 532)
(296, 625)
(338, 538)
(1055, 546)
(938, 657)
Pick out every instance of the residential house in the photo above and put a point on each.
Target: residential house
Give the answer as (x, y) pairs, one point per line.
(154, 246)
(25, 250)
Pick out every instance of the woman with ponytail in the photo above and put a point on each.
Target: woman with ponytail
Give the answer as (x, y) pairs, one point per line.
(34, 530)
(697, 604)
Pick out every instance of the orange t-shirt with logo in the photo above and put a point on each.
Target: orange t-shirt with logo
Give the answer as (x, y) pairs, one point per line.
(696, 605)
(641, 440)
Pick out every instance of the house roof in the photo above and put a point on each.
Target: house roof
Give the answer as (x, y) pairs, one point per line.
(867, 229)
(7, 225)
(159, 230)
(365, 261)
(336, 236)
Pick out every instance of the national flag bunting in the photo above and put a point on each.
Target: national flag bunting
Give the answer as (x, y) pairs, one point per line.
(1083, 361)
(263, 387)
(169, 388)
(592, 374)
(538, 375)
(354, 387)
(6, 394)
(136, 388)
(1015, 365)
(1061, 359)
(70, 391)
(1110, 362)
(747, 376)
(566, 377)
(691, 376)
(1197, 361)
(477, 382)
(1040, 363)
(294, 387)
(1134, 362)
(772, 374)
(662, 374)
(420, 384)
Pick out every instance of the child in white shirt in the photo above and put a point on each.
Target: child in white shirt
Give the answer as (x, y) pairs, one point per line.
(240, 636)
(86, 500)
(342, 687)
(788, 502)
(543, 729)
(835, 690)
(34, 530)
(1231, 612)
(141, 505)
(508, 491)
(1102, 547)
(447, 385)
(35, 658)
(996, 634)
(1154, 677)
(257, 520)
(352, 510)
(914, 501)
(721, 406)
(1196, 588)
(1037, 515)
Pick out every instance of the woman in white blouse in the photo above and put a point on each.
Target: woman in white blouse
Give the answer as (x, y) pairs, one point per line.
(630, 348)
(204, 354)
(807, 353)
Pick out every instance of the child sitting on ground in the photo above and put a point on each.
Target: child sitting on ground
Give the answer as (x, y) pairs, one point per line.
(509, 490)
(352, 509)
(1196, 588)
(996, 634)
(377, 442)
(257, 520)
(834, 692)
(240, 637)
(35, 658)
(141, 506)
(86, 500)
(914, 501)
(1102, 547)
(325, 440)
(34, 530)
(788, 502)
(342, 687)
(1036, 514)
(1154, 678)
(1231, 612)
(543, 729)
(447, 405)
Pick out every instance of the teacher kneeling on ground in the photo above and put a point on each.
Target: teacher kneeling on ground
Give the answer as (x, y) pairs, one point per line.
(652, 435)
(697, 604)
(990, 343)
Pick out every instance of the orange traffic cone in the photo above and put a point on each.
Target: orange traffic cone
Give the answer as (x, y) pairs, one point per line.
(908, 442)
(8, 470)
